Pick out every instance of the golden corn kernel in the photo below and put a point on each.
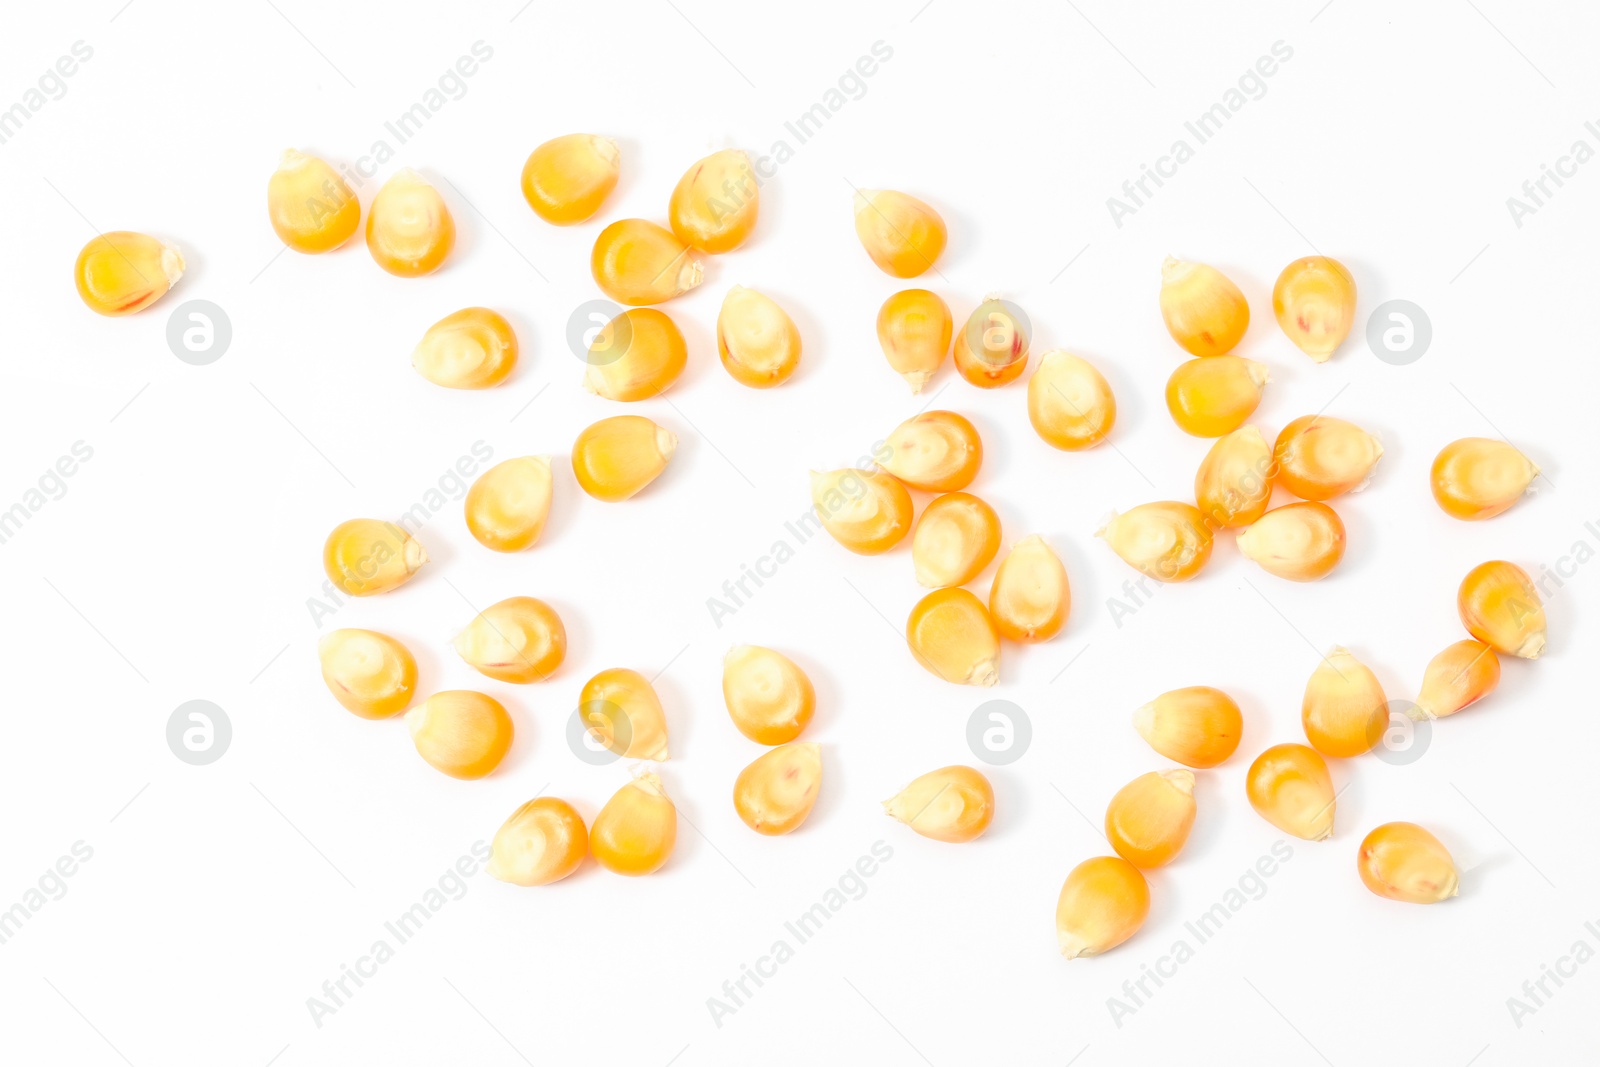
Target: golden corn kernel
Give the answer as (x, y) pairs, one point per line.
(1069, 402)
(371, 674)
(473, 348)
(1166, 540)
(1402, 861)
(1103, 902)
(865, 511)
(1204, 311)
(1344, 711)
(460, 732)
(714, 205)
(617, 457)
(636, 830)
(542, 842)
(367, 556)
(1499, 606)
(1289, 786)
(1318, 457)
(1149, 819)
(636, 356)
(1198, 726)
(122, 272)
(992, 348)
(520, 639)
(775, 793)
(902, 234)
(1029, 598)
(507, 506)
(410, 230)
(758, 341)
(769, 698)
(914, 329)
(622, 711)
(1301, 541)
(637, 262)
(565, 180)
(1479, 477)
(313, 209)
(1315, 302)
(937, 452)
(955, 538)
(1234, 483)
(1211, 397)
(953, 804)
(1462, 674)
(951, 634)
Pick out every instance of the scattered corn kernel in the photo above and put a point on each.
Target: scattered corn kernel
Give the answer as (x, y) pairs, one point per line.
(636, 830)
(865, 511)
(1402, 861)
(313, 209)
(370, 673)
(1318, 457)
(1479, 477)
(473, 348)
(1149, 819)
(1103, 902)
(769, 698)
(758, 341)
(1289, 786)
(1029, 598)
(460, 732)
(616, 457)
(1315, 302)
(565, 180)
(1499, 606)
(637, 262)
(1344, 711)
(950, 633)
(937, 452)
(367, 556)
(953, 804)
(1069, 402)
(1198, 726)
(1211, 397)
(1204, 311)
(1462, 674)
(1301, 541)
(520, 639)
(122, 272)
(903, 235)
(914, 329)
(636, 356)
(1234, 483)
(622, 711)
(542, 842)
(992, 348)
(774, 794)
(507, 506)
(1167, 540)
(410, 230)
(714, 205)
(955, 538)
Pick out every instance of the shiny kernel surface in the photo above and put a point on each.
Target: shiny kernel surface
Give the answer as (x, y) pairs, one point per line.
(1302, 541)
(757, 340)
(463, 733)
(1500, 606)
(1480, 477)
(312, 208)
(1204, 311)
(622, 712)
(955, 539)
(1289, 786)
(1149, 819)
(714, 205)
(616, 457)
(1103, 902)
(936, 451)
(865, 511)
(636, 831)
(1314, 301)
(1458, 677)
(507, 506)
(1198, 725)
(566, 179)
(520, 639)
(1070, 403)
(992, 348)
(954, 804)
(1402, 861)
(370, 673)
(769, 698)
(1212, 397)
(775, 793)
(122, 272)
(364, 557)
(636, 261)
(1166, 540)
(1318, 457)
(950, 633)
(474, 348)
(410, 230)
(1030, 598)
(541, 842)
(1234, 483)
(637, 355)
(914, 330)
(903, 235)
(1344, 710)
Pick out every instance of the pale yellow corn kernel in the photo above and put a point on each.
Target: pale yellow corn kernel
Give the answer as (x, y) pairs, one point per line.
(312, 208)
(1462, 674)
(951, 634)
(865, 511)
(635, 832)
(520, 639)
(1234, 483)
(936, 451)
(1344, 711)
(463, 733)
(616, 457)
(1211, 397)
(121, 272)
(622, 712)
(903, 235)
(769, 698)
(636, 356)
(542, 842)
(1301, 541)
(1070, 403)
(914, 328)
(1149, 819)
(714, 205)
(1289, 786)
(474, 348)
(1204, 311)
(1103, 902)
(955, 538)
(992, 348)
(410, 230)
(370, 673)
(565, 180)
(363, 557)
(1315, 303)
(757, 340)
(637, 262)
(775, 793)
(1402, 861)
(1166, 540)
(954, 804)
(507, 506)
(1479, 477)
(1318, 457)
(1499, 606)
(1029, 598)
(1198, 726)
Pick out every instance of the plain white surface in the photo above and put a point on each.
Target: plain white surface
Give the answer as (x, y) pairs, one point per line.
(178, 563)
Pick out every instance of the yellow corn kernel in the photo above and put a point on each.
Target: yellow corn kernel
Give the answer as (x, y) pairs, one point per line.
(757, 340)
(1317, 457)
(1069, 402)
(1479, 477)
(460, 732)
(520, 639)
(638, 355)
(1103, 902)
(1149, 819)
(1234, 483)
(1499, 606)
(623, 713)
(954, 804)
(122, 272)
(313, 209)
(903, 235)
(1344, 711)
(1301, 541)
(1402, 861)
(1198, 726)
(1167, 540)
(617, 457)
(769, 697)
(950, 633)
(636, 830)
(775, 793)
(473, 348)
(1204, 311)
(363, 557)
(914, 329)
(865, 511)
(714, 205)
(370, 673)
(992, 348)
(1315, 302)
(955, 538)
(410, 230)
(937, 452)
(1029, 598)
(542, 842)
(507, 506)
(1211, 397)
(637, 262)
(565, 180)
(1462, 674)
(1289, 786)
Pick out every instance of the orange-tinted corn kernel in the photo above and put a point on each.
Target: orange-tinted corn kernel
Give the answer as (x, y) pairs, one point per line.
(1103, 902)
(1234, 483)
(774, 794)
(565, 180)
(769, 697)
(410, 230)
(1149, 819)
(714, 205)
(865, 511)
(621, 710)
(1029, 598)
(937, 452)
(1289, 786)
(122, 272)
(1069, 402)
(1318, 457)
(312, 208)
(1211, 397)
(1204, 311)
(1344, 711)
(1479, 477)
(1462, 674)
(635, 832)
(992, 348)
(520, 639)
(914, 328)
(367, 556)
(950, 633)
(473, 348)
(1499, 606)
(370, 673)
(903, 235)
(637, 262)
(1301, 541)
(460, 732)
(1167, 540)
(1402, 861)
(955, 538)
(636, 356)
(507, 506)
(757, 340)
(1198, 726)
(617, 457)
(542, 842)
(1315, 302)
(953, 804)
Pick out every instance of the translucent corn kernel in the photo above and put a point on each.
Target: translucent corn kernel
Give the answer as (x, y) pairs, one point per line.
(902, 234)
(1289, 786)
(1499, 606)
(370, 673)
(955, 538)
(507, 506)
(460, 732)
(636, 356)
(1234, 483)
(1204, 311)
(363, 557)
(542, 842)
(1149, 819)
(1479, 477)
(1029, 598)
(1462, 674)
(865, 511)
(775, 793)
(757, 340)
(313, 209)
(1198, 726)
(1301, 541)
(635, 832)
(1318, 457)
(914, 329)
(520, 639)
(473, 348)
(953, 804)
(1069, 402)
(1315, 302)
(637, 262)
(410, 230)
(992, 348)
(714, 205)
(769, 698)
(1402, 861)
(1344, 711)
(1211, 397)
(122, 272)
(617, 457)
(621, 710)
(950, 633)
(1166, 540)
(937, 452)
(1103, 902)
(565, 180)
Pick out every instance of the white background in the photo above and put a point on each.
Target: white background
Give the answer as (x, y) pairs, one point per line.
(179, 563)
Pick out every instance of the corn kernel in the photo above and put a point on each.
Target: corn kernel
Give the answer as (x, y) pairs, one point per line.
(775, 793)
(757, 340)
(950, 633)
(1029, 598)
(542, 842)
(312, 208)
(622, 711)
(638, 355)
(1318, 457)
(635, 832)
(363, 557)
(1462, 674)
(637, 262)
(955, 538)
(865, 511)
(1499, 606)
(519, 639)
(1103, 902)
(1069, 402)
(473, 348)
(769, 697)
(992, 348)
(1167, 540)
(1211, 397)
(1198, 726)
(1479, 477)
(565, 180)
(460, 732)
(370, 673)
(1234, 483)
(1289, 786)
(1149, 819)
(1402, 861)
(122, 272)
(1301, 541)
(616, 457)
(714, 205)
(1204, 311)
(1315, 302)
(954, 804)
(1344, 711)
(507, 506)
(410, 230)
(914, 329)
(903, 235)
(936, 451)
